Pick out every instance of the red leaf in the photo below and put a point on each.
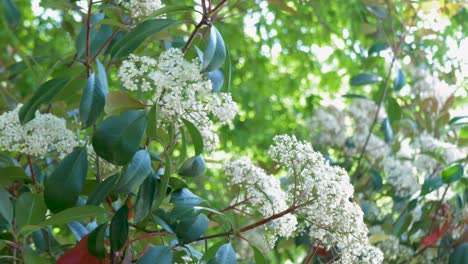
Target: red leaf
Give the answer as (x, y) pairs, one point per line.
(79, 254)
(322, 252)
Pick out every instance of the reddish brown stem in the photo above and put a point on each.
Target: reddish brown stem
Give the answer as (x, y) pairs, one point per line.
(88, 32)
(108, 40)
(33, 175)
(145, 236)
(235, 205)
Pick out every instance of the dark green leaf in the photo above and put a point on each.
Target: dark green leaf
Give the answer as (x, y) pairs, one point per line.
(387, 129)
(118, 102)
(456, 120)
(144, 202)
(224, 255)
(393, 110)
(402, 224)
(152, 129)
(452, 173)
(30, 209)
(102, 76)
(12, 14)
(136, 37)
(118, 230)
(43, 95)
(258, 255)
(376, 48)
(431, 184)
(185, 197)
(197, 139)
(6, 207)
(364, 78)
(74, 214)
(215, 51)
(163, 255)
(211, 252)
(118, 138)
(135, 172)
(92, 102)
(96, 241)
(376, 179)
(103, 190)
(460, 254)
(193, 167)
(11, 174)
(399, 81)
(191, 229)
(98, 36)
(377, 12)
(217, 78)
(164, 184)
(64, 185)
(78, 230)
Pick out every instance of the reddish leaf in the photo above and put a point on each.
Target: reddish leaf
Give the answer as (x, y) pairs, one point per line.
(322, 252)
(432, 237)
(79, 254)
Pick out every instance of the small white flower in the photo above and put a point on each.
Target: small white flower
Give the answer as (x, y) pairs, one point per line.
(142, 8)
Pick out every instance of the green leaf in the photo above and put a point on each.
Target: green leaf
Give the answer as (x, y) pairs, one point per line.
(217, 79)
(92, 102)
(136, 37)
(377, 12)
(102, 77)
(170, 9)
(30, 209)
(402, 224)
(64, 185)
(460, 254)
(197, 139)
(118, 230)
(193, 167)
(211, 252)
(97, 37)
(74, 214)
(214, 54)
(103, 190)
(135, 173)
(452, 173)
(258, 255)
(431, 184)
(163, 255)
(399, 81)
(364, 79)
(145, 198)
(11, 174)
(387, 129)
(164, 184)
(189, 230)
(224, 255)
(185, 197)
(12, 14)
(96, 241)
(393, 110)
(78, 230)
(118, 102)
(376, 48)
(152, 129)
(6, 207)
(118, 138)
(43, 95)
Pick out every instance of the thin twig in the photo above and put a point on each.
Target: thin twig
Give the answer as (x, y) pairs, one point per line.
(88, 33)
(33, 174)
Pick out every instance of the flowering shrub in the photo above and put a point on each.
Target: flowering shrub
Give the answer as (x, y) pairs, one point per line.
(122, 152)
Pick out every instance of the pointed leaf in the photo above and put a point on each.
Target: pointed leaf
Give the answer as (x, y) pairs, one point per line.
(74, 214)
(431, 184)
(6, 207)
(102, 76)
(364, 78)
(399, 81)
(460, 254)
(193, 167)
(118, 138)
(119, 101)
(11, 174)
(217, 78)
(12, 14)
(78, 230)
(215, 51)
(185, 197)
(144, 202)
(97, 37)
(224, 255)
(103, 190)
(152, 129)
(79, 254)
(43, 95)
(135, 173)
(192, 228)
(118, 230)
(197, 139)
(30, 209)
(92, 102)
(96, 241)
(136, 37)
(452, 173)
(163, 255)
(66, 182)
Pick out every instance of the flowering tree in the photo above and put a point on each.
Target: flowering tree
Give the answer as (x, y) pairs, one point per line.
(121, 151)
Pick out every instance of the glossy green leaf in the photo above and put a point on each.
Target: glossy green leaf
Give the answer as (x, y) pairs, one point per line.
(402, 224)
(211, 251)
(376, 48)
(217, 79)
(387, 129)
(135, 172)
(118, 230)
(118, 102)
(74, 214)
(145, 198)
(152, 129)
(11, 13)
(459, 255)
(163, 255)
(364, 79)
(452, 173)
(197, 139)
(102, 76)
(78, 230)
(11, 174)
(30, 209)
(137, 36)
(96, 241)
(118, 138)
(43, 95)
(92, 102)
(258, 255)
(185, 197)
(214, 54)
(164, 184)
(64, 185)
(189, 230)
(103, 190)
(193, 167)
(98, 36)
(224, 255)
(399, 81)
(393, 109)
(6, 207)
(377, 12)
(431, 184)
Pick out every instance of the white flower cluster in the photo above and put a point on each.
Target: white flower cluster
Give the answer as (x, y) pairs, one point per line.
(393, 251)
(402, 175)
(363, 110)
(327, 196)
(429, 86)
(327, 126)
(263, 191)
(142, 8)
(44, 133)
(180, 90)
(448, 151)
(376, 148)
